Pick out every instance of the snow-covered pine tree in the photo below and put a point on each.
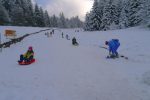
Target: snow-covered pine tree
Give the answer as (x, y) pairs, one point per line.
(146, 12)
(38, 16)
(101, 5)
(110, 15)
(22, 12)
(89, 22)
(86, 22)
(4, 17)
(95, 17)
(42, 17)
(28, 13)
(133, 12)
(8, 4)
(54, 21)
(72, 22)
(79, 23)
(46, 19)
(16, 14)
(62, 21)
(123, 16)
(119, 6)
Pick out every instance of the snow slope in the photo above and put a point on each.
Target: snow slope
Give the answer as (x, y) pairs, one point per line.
(66, 72)
(20, 31)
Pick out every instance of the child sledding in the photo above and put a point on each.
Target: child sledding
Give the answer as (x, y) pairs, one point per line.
(27, 58)
(74, 42)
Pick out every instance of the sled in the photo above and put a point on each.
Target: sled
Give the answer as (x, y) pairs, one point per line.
(76, 44)
(26, 63)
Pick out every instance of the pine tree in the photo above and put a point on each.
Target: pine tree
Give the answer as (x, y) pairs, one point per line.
(46, 19)
(79, 23)
(38, 16)
(133, 11)
(123, 16)
(104, 15)
(28, 13)
(54, 21)
(62, 21)
(146, 12)
(102, 4)
(16, 14)
(42, 17)
(119, 7)
(22, 13)
(8, 4)
(4, 17)
(95, 16)
(110, 16)
(87, 22)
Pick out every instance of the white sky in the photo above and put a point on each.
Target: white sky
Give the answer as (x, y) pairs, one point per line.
(68, 7)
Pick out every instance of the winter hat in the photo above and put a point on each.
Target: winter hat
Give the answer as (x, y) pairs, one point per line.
(30, 48)
(106, 42)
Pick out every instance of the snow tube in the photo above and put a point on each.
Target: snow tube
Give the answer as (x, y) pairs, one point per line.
(27, 63)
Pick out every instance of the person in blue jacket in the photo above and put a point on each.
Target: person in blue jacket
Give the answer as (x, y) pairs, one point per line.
(113, 46)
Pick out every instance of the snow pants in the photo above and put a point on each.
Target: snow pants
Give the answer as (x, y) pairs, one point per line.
(22, 58)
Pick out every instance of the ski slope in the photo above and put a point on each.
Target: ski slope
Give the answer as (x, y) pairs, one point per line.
(66, 72)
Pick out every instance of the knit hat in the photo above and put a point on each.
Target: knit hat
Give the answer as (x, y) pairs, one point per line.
(30, 48)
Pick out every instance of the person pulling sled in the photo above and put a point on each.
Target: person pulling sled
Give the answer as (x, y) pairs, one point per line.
(28, 57)
(74, 41)
(113, 47)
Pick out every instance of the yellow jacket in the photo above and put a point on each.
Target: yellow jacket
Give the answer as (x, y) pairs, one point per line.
(28, 54)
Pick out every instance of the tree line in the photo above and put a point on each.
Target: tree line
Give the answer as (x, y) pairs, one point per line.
(25, 13)
(117, 14)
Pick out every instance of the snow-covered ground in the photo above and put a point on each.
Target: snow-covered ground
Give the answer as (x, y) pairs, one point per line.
(66, 72)
(20, 31)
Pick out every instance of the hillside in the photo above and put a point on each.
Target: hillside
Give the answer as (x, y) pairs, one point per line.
(66, 72)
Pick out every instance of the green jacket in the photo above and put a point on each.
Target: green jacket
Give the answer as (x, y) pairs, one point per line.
(28, 54)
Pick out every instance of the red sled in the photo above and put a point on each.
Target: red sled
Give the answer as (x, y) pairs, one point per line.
(27, 63)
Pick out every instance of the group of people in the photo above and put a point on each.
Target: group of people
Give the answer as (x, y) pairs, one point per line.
(74, 41)
(49, 34)
(67, 36)
(113, 46)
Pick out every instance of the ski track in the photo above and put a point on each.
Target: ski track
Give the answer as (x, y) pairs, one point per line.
(66, 72)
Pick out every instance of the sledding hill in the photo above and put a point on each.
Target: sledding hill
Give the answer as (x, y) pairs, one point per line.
(66, 72)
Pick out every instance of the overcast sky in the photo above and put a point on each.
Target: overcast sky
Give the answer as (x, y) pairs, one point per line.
(68, 7)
